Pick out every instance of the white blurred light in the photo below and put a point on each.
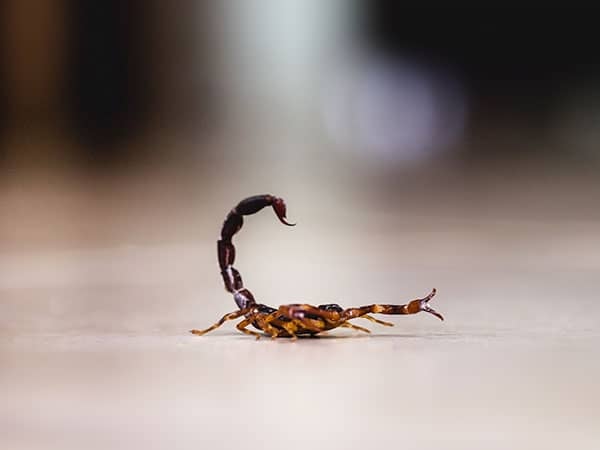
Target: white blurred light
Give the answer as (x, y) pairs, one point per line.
(276, 49)
(394, 111)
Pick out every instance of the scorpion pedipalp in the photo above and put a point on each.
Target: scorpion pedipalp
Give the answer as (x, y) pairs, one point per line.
(422, 304)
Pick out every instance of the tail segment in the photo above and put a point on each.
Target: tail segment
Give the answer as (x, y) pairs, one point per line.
(226, 251)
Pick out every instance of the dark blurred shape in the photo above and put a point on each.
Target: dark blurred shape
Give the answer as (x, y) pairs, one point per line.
(3, 110)
(515, 58)
(98, 74)
(31, 65)
(108, 95)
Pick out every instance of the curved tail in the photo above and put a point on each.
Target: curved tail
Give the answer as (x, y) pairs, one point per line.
(226, 251)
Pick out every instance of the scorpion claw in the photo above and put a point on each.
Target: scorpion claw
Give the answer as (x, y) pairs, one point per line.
(430, 310)
(280, 210)
(422, 304)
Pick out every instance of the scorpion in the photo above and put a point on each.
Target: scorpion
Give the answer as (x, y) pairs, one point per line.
(292, 320)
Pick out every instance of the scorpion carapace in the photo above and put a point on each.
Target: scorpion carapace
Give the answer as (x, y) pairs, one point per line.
(293, 319)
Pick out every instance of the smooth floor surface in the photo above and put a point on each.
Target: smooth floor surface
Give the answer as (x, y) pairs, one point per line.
(95, 351)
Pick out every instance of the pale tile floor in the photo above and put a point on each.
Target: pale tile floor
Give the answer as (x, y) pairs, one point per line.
(95, 352)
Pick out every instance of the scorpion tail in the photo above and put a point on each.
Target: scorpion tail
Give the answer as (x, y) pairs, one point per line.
(226, 250)
(280, 210)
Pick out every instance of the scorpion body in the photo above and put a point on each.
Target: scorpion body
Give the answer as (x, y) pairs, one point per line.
(293, 319)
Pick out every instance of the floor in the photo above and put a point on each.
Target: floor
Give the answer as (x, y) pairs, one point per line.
(100, 284)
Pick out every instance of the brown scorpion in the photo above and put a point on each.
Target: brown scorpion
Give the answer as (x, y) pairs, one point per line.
(293, 319)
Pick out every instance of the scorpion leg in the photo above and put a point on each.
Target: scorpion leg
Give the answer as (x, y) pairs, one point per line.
(275, 332)
(244, 323)
(267, 325)
(290, 328)
(280, 328)
(354, 327)
(412, 307)
(277, 327)
(225, 318)
(281, 331)
(380, 322)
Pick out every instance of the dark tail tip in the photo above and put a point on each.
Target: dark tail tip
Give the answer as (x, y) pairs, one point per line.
(280, 210)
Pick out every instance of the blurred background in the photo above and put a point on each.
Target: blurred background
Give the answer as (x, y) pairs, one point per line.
(202, 104)
(455, 148)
